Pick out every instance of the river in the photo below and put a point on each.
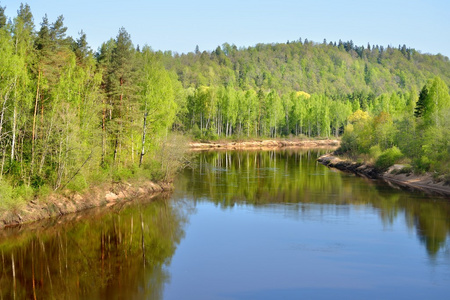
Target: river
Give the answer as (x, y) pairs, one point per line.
(241, 225)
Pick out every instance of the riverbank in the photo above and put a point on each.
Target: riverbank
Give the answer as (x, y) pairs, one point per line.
(70, 202)
(394, 175)
(262, 144)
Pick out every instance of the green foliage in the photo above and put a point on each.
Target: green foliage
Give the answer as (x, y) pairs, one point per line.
(69, 118)
(13, 196)
(421, 135)
(349, 143)
(310, 67)
(6, 194)
(358, 135)
(196, 132)
(434, 99)
(375, 152)
(338, 80)
(388, 158)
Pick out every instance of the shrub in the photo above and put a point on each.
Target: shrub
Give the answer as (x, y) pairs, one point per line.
(78, 183)
(196, 132)
(422, 164)
(211, 135)
(349, 141)
(388, 158)
(375, 152)
(169, 158)
(6, 192)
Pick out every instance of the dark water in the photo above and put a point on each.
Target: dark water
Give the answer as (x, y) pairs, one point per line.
(241, 225)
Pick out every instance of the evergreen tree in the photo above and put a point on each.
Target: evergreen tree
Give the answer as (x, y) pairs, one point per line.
(3, 18)
(421, 102)
(81, 48)
(120, 87)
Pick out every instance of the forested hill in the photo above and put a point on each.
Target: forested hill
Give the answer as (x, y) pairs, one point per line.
(333, 68)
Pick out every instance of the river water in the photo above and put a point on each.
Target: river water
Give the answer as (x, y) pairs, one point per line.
(241, 225)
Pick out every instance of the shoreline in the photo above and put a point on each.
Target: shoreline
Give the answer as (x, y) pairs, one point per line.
(57, 205)
(262, 144)
(109, 194)
(424, 183)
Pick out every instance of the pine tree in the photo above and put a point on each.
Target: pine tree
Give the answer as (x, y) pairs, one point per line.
(121, 85)
(421, 103)
(81, 48)
(3, 18)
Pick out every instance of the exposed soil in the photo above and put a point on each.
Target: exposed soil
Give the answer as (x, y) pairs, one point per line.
(263, 144)
(70, 202)
(424, 182)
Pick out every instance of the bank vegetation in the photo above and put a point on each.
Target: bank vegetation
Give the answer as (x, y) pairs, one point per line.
(72, 117)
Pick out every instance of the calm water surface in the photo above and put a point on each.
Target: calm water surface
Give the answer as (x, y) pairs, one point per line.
(241, 225)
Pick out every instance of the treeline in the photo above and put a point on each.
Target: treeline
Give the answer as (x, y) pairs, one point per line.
(70, 117)
(325, 68)
(224, 111)
(299, 87)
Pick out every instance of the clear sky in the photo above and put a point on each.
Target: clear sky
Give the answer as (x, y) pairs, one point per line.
(180, 25)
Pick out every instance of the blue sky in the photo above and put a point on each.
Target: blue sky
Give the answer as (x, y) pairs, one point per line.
(181, 25)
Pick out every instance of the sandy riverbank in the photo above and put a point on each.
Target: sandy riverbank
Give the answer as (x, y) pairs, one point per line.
(62, 204)
(424, 182)
(262, 144)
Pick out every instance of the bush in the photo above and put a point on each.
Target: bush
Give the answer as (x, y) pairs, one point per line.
(78, 183)
(23, 192)
(169, 158)
(120, 174)
(6, 192)
(422, 164)
(375, 152)
(211, 135)
(349, 142)
(196, 132)
(388, 158)
(12, 197)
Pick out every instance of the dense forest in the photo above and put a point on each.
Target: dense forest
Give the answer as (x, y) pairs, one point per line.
(71, 116)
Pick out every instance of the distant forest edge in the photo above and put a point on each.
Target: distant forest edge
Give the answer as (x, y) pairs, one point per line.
(71, 116)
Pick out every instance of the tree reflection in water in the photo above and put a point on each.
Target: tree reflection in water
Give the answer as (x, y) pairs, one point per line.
(106, 255)
(124, 253)
(230, 178)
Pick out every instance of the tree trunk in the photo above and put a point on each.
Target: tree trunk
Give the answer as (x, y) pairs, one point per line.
(2, 114)
(287, 124)
(104, 132)
(33, 136)
(119, 131)
(142, 238)
(144, 131)
(3, 162)
(13, 142)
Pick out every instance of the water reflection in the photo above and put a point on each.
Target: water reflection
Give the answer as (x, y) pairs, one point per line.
(103, 255)
(126, 252)
(294, 176)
